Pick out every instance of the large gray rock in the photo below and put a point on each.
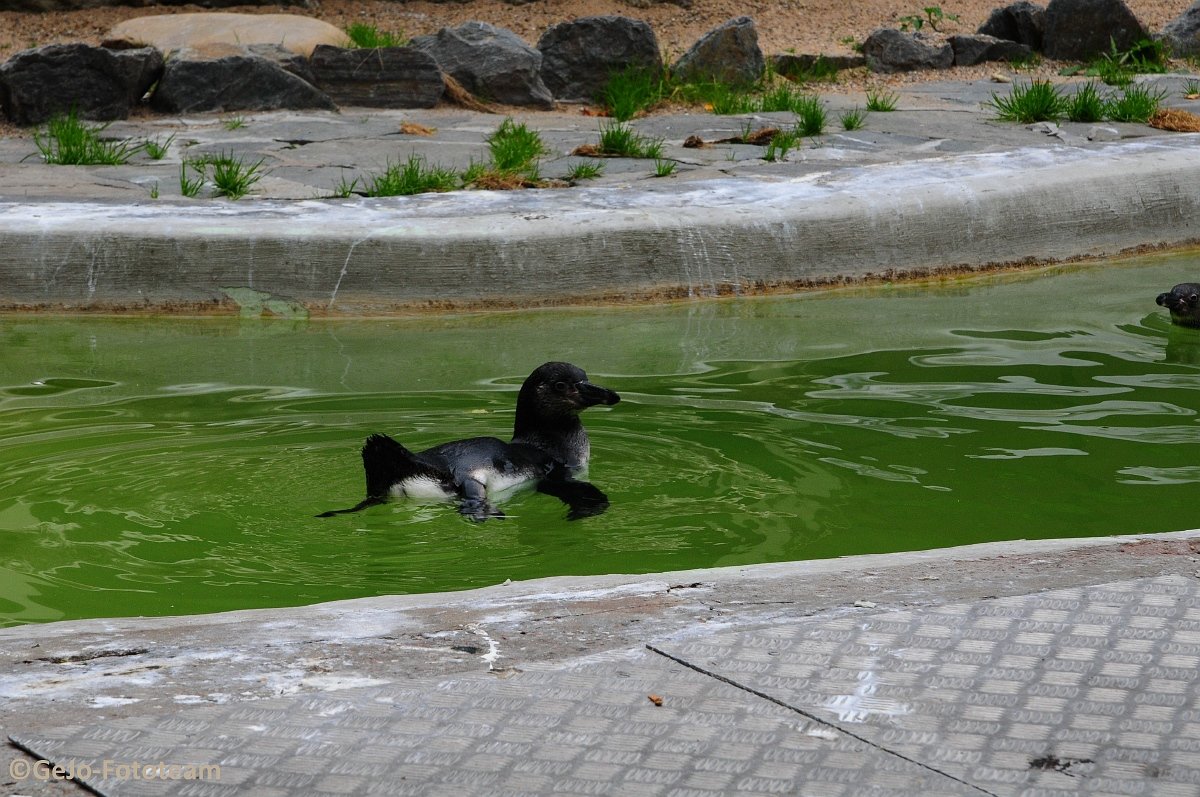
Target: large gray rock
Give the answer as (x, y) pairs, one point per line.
(492, 63)
(386, 77)
(891, 50)
(1022, 22)
(728, 53)
(1077, 30)
(232, 79)
(975, 48)
(579, 57)
(38, 84)
(1183, 32)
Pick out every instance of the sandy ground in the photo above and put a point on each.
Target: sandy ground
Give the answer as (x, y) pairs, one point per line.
(802, 26)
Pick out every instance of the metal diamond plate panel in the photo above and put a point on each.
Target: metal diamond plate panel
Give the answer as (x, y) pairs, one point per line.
(1091, 690)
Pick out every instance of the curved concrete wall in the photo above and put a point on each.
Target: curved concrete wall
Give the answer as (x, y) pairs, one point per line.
(472, 249)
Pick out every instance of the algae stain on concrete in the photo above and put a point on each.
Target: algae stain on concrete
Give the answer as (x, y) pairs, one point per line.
(254, 304)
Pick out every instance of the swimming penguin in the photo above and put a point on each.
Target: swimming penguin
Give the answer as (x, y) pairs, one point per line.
(549, 445)
(1184, 303)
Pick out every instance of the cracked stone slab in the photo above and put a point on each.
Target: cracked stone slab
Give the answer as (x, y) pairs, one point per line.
(590, 729)
(1090, 689)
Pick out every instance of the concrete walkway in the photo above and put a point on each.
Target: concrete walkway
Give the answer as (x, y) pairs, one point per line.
(946, 672)
(937, 184)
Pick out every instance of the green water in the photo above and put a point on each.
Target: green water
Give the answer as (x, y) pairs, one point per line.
(171, 466)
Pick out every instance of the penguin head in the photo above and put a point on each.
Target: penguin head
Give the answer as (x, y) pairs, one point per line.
(1184, 303)
(1182, 299)
(558, 389)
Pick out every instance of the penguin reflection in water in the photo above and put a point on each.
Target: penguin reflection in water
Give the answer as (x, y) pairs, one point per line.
(549, 446)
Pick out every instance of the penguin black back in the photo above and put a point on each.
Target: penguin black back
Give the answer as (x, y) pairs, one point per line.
(549, 446)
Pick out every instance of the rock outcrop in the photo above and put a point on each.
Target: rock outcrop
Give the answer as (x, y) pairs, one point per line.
(579, 57)
(1077, 30)
(1182, 34)
(233, 79)
(1022, 22)
(891, 50)
(976, 48)
(100, 84)
(729, 53)
(492, 63)
(385, 77)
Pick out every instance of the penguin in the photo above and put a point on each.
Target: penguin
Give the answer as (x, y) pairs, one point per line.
(549, 446)
(1184, 303)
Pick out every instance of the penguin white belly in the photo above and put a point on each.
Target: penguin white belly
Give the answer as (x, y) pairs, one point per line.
(421, 488)
(497, 483)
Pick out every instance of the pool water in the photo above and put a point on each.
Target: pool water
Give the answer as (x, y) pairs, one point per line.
(173, 466)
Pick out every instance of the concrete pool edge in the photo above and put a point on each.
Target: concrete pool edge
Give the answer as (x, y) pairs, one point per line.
(59, 673)
(476, 250)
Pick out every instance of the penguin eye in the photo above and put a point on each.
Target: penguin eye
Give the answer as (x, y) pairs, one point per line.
(1192, 299)
(560, 387)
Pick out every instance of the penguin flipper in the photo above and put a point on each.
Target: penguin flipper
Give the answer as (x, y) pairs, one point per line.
(583, 499)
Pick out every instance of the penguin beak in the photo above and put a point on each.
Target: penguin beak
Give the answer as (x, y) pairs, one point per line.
(591, 395)
(1161, 301)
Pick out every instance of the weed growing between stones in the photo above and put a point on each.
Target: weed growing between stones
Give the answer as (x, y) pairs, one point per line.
(363, 35)
(584, 170)
(412, 177)
(190, 186)
(233, 177)
(1118, 67)
(881, 101)
(780, 144)
(67, 141)
(631, 91)
(1191, 89)
(810, 116)
(1085, 105)
(854, 119)
(156, 149)
(514, 147)
(664, 168)
(622, 141)
(1136, 104)
(234, 123)
(1040, 101)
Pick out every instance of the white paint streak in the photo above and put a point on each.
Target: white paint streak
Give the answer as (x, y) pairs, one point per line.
(493, 653)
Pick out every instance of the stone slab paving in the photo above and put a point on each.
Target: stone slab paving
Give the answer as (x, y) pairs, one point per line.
(1090, 690)
(1085, 690)
(587, 730)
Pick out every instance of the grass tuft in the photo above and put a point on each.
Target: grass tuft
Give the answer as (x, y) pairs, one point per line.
(1040, 101)
(1085, 105)
(585, 170)
(411, 177)
(233, 177)
(1136, 104)
(621, 140)
(881, 101)
(515, 148)
(810, 116)
(366, 36)
(854, 119)
(67, 141)
(632, 91)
